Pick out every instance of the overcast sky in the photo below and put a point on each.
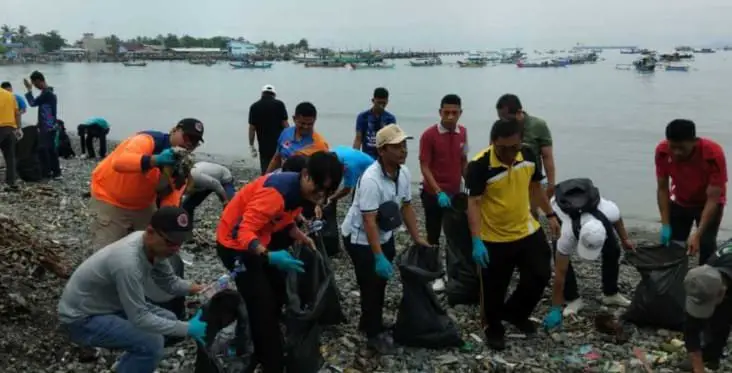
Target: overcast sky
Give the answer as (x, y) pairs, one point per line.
(416, 24)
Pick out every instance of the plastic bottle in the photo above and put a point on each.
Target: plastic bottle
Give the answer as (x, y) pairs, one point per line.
(220, 284)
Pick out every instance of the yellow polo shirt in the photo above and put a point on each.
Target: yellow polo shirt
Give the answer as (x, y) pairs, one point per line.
(8, 109)
(504, 194)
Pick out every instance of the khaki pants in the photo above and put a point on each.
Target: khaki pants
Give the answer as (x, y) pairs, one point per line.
(111, 223)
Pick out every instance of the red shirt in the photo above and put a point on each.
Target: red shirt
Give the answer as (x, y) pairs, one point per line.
(442, 152)
(690, 178)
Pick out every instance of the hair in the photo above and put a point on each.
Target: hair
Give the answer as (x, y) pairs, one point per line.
(505, 128)
(36, 75)
(381, 92)
(6, 85)
(509, 101)
(681, 130)
(323, 166)
(295, 163)
(451, 99)
(268, 93)
(306, 109)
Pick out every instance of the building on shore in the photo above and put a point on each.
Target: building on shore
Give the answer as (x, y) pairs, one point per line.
(93, 45)
(241, 49)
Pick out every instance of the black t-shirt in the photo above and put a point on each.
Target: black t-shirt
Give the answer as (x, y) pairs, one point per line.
(266, 115)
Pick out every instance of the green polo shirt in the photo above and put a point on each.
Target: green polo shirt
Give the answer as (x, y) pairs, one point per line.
(536, 136)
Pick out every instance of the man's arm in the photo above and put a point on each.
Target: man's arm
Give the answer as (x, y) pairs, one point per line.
(663, 198)
(410, 221)
(372, 231)
(261, 210)
(252, 135)
(475, 180)
(540, 198)
(283, 113)
(340, 194)
(275, 163)
(622, 232)
(425, 159)
(561, 265)
(137, 155)
(717, 183)
(547, 157)
(358, 140)
(692, 340)
(37, 101)
(206, 182)
(368, 202)
(163, 276)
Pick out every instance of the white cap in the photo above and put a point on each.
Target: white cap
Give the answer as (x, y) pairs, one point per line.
(269, 88)
(592, 237)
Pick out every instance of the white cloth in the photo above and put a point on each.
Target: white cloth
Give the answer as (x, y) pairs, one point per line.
(567, 243)
(210, 176)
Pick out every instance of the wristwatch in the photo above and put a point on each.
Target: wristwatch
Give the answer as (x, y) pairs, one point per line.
(551, 215)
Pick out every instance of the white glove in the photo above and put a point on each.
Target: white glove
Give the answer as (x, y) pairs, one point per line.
(19, 134)
(254, 152)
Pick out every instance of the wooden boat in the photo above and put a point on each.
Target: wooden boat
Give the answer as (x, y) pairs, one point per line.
(202, 62)
(423, 62)
(250, 65)
(372, 66)
(135, 63)
(547, 62)
(325, 63)
(677, 68)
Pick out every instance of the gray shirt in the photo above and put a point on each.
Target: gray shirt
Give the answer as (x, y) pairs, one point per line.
(211, 176)
(112, 280)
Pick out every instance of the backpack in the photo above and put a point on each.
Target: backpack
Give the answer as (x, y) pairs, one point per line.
(576, 197)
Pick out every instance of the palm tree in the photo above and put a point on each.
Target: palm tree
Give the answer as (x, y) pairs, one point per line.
(6, 31)
(23, 33)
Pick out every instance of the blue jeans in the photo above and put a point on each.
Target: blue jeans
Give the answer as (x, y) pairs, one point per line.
(143, 350)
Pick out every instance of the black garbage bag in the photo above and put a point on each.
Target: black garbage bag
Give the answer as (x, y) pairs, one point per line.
(463, 284)
(421, 321)
(659, 297)
(332, 312)
(229, 347)
(26, 156)
(306, 295)
(331, 237)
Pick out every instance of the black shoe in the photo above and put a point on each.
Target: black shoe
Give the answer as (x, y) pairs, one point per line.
(382, 344)
(526, 326)
(686, 365)
(495, 341)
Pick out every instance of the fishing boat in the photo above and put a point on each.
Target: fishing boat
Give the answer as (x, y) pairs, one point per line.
(674, 67)
(202, 62)
(371, 65)
(475, 59)
(645, 64)
(630, 51)
(135, 63)
(545, 62)
(251, 65)
(705, 50)
(511, 56)
(675, 57)
(427, 61)
(325, 63)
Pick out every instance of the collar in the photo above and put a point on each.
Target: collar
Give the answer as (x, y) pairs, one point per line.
(386, 175)
(442, 130)
(495, 163)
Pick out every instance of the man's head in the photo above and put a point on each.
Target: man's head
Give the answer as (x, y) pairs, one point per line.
(188, 133)
(450, 110)
(391, 144)
(380, 100)
(169, 228)
(304, 118)
(269, 90)
(6, 86)
(592, 238)
(321, 176)
(38, 80)
(705, 289)
(509, 108)
(681, 136)
(506, 137)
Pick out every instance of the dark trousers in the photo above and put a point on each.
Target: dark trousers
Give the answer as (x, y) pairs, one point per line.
(532, 256)
(681, 220)
(264, 158)
(610, 272)
(718, 329)
(432, 217)
(193, 200)
(263, 288)
(47, 153)
(7, 146)
(87, 134)
(372, 287)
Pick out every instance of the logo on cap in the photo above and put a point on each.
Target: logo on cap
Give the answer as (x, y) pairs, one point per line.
(199, 126)
(183, 220)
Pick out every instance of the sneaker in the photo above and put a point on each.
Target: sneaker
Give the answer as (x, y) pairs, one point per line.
(381, 344)
(495, 341)
(573, 307)
(615, 300)
(439, 285)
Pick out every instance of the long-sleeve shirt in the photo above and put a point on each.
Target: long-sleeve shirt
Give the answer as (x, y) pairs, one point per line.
(211, 176)
(112, 280)
(47, 106)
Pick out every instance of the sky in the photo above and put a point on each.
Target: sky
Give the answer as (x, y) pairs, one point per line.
(399, 24)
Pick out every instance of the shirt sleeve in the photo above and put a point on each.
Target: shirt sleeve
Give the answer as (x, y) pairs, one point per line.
(163, 276)
(22, 106)
(349, 177)
(263, 207)
(283, 111)
(136, 156)
(406, 188)
(692, 333)
(201, 181)
(253, 115)
(425, 148)
(717, 166)
(661, 160)
(466, 147)
(610, 209)
(361, 123)
(543, 135)
(476, 177)
(369, 195)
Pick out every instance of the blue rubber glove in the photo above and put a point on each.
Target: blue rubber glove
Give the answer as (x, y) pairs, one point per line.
(665, 234)
(285, 262)
(197, 328)
(553, 319)
(383, 267)
(480, 253)
(443, 200)
(165, 158)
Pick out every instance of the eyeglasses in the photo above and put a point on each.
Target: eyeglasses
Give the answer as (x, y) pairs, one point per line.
(194, 141)
(167, 240)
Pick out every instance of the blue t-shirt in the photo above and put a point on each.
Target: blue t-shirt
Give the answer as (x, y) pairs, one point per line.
(22, 106)
(97, 121)
(367, 124)
(355, 162)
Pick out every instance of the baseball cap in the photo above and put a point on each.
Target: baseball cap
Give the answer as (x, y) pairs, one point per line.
(391, 134)
(703, 285)
(174, 223)
(192, 127)
(592, 237)
(269, 88)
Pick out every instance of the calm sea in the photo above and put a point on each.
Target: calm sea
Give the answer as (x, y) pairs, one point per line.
(605, 122)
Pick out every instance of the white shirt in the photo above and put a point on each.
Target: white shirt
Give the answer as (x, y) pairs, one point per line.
(211, 176)
(567, 243)
(375, 188)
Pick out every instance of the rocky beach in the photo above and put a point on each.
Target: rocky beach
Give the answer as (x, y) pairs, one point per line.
(44, 235)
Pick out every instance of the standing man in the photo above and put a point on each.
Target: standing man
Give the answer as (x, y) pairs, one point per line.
(93, 128)
(536, 136)
(22, 106)
(301, 139)
(267, 119)
(697, 170)
(209, 178)
(9, 133)
(502, 181)
(382, 200)
(369, 122)
(46, 102)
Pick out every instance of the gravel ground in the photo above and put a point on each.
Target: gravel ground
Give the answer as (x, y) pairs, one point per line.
(57, 212)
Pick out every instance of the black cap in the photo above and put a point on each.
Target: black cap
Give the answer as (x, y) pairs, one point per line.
(174, 223)
(192, 127)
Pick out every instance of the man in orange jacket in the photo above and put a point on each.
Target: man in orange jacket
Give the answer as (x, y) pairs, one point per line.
(266, 205)
(124, 186)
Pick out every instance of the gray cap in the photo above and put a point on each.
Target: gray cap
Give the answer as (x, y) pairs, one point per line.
(703, 286)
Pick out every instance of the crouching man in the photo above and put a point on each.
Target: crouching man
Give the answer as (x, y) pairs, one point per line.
(103, 303)
(209, 178)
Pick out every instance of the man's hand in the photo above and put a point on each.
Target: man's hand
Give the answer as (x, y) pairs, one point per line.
(27, 85)
(692, 243)
(196, 288)
(309, 242)
(422, 242)
(550, 191)
(253, 149)
(318, 212)
(554, 227)
(627, 244)
(18, 134)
